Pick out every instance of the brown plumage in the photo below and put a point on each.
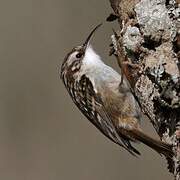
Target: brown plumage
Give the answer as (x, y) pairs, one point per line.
(97, 91)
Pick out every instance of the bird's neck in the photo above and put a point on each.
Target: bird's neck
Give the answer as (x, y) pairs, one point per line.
(91, 59)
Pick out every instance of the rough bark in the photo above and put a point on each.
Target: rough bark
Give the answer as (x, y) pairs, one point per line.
(147, 46)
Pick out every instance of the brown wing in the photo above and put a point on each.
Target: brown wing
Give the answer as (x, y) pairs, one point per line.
(91, 105)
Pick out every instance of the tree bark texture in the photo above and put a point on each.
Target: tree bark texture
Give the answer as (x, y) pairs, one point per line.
(147, 46)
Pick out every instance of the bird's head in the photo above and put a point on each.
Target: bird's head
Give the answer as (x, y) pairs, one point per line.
(73, 60)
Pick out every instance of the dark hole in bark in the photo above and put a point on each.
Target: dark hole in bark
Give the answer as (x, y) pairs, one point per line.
(164, 76)
(167, 2)
(162, 128)
(150, 43)
(137, 25)
(176, 44)
(111, 17)
(151, 77)
(133, 56)
(167, 118)
(132, 15)
(167, 100)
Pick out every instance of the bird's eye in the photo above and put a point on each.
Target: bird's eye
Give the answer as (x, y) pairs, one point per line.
(79, 55)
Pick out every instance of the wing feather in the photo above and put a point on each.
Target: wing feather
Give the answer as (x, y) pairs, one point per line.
(91, 105)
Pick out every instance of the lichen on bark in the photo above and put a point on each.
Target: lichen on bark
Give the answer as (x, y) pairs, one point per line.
(149, 38)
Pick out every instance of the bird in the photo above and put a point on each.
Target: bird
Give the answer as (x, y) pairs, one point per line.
(106, 102)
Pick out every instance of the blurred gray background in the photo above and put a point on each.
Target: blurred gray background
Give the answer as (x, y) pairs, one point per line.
(42, 134)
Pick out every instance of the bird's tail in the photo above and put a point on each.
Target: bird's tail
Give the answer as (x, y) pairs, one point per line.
(157, 145)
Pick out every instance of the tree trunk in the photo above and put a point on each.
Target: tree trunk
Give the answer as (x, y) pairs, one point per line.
(147, 48)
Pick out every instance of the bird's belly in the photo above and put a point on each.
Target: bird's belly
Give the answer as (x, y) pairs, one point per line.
(121, 108)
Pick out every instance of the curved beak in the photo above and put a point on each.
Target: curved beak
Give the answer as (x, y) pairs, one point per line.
(86, 43)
